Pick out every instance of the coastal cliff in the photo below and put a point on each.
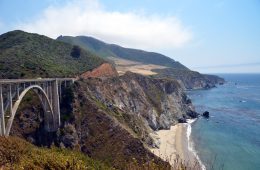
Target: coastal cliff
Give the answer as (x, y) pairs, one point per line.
(108, 117)
(96, 112)
(158, 102)
(190, 79)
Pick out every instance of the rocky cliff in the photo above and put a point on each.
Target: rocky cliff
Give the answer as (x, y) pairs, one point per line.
(190, 79)
(158, 102)
(110, 119)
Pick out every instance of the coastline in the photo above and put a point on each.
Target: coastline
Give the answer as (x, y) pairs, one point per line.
(176, 146)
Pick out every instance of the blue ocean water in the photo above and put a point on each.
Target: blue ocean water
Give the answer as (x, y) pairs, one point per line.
(230, 139)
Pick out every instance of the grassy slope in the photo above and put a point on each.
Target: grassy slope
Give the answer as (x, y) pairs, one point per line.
(110, 50)
(26, 55)
(16, 153)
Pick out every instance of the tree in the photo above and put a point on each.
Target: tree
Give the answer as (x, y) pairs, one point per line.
(75, 52)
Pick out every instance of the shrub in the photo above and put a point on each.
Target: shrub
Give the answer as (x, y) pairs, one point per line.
(75, 52)
(16, 153)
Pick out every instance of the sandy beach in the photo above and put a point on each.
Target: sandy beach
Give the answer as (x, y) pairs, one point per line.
(174, 144)
(167, 150)
(181, 144)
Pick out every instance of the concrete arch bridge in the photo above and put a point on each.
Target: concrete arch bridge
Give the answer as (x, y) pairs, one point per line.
(12, 92)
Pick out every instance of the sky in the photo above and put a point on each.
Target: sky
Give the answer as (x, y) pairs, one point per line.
(216, 36)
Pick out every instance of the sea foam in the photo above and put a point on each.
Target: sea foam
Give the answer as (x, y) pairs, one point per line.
(190, 143)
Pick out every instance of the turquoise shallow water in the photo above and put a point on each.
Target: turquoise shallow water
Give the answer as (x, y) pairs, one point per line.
(230, 139)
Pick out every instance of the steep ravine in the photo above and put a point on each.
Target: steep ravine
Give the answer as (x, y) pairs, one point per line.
(110, 119)
(113, 117)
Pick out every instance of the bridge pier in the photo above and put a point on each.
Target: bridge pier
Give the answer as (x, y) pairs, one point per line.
(2, 121)
(56, 102)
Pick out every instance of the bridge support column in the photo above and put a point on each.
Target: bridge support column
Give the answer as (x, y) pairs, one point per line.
(2, 121)
(17, 91)
(59, 84)
(11, 100)
(56, 102)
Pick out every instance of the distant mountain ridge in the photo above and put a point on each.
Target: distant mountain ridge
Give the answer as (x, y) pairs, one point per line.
(111, 50)
(139, 61)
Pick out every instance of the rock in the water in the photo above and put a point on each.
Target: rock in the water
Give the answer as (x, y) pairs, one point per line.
(182, 120)
(206, 114)
(192, 114)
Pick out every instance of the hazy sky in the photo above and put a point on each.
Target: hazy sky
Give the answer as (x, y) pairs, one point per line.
(210, 36)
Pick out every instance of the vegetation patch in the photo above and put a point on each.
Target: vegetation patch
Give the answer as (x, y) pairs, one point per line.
(16, 153)
(26, 55)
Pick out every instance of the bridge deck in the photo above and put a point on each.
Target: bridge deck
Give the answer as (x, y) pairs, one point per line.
(8, 81)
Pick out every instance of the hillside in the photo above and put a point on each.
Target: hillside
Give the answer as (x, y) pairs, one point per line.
(96, 113)
(107, 117)
(145, 63)
(189, 79)
(111, 50)
(16, 153)
(26, 55)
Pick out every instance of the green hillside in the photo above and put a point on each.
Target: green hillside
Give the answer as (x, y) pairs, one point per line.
(26, 55)
(110, 50)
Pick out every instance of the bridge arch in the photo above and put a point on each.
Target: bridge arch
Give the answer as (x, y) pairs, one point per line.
(45, 102)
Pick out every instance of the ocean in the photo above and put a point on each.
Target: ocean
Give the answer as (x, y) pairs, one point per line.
(230, 138)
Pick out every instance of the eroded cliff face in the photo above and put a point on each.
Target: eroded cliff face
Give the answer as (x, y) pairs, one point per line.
(139, 104)
(111, 119)
(101, 132)
(88, 125)
(157, 102)
(104, 70)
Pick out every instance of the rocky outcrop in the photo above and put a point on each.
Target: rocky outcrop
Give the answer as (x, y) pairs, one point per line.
(70, 137)
(205, 114)
(182, 120)
(104, 70)
(157, 102)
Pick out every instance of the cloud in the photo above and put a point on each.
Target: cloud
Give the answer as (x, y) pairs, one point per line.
(130, 29)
